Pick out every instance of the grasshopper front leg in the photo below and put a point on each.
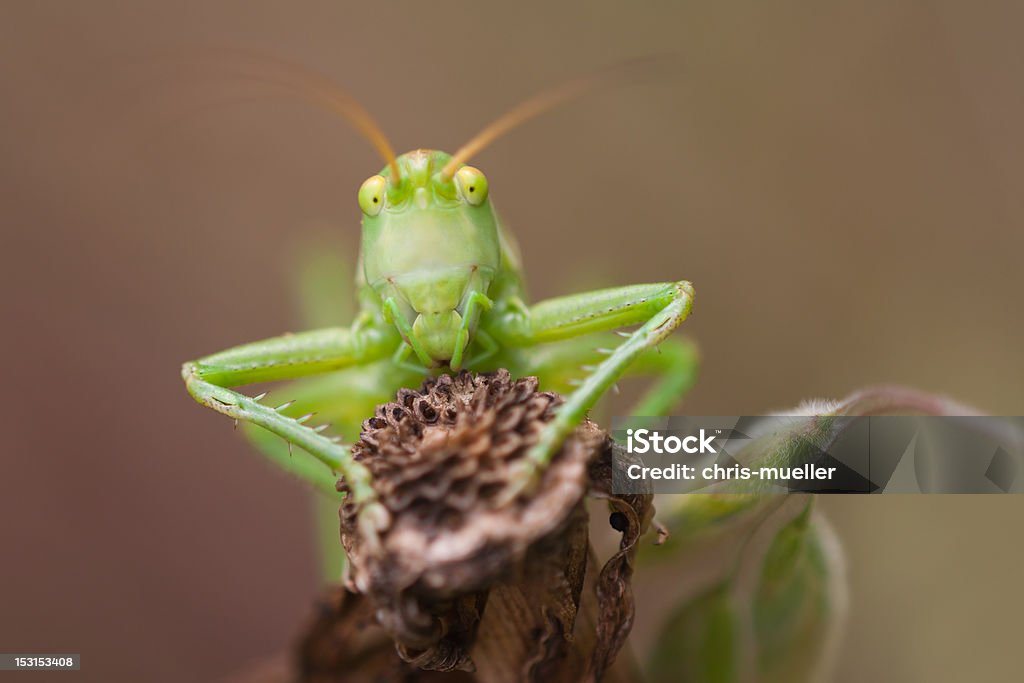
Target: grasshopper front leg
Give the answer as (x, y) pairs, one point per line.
(661, 307)
(209, 380)
(673, 368)
(343, 399)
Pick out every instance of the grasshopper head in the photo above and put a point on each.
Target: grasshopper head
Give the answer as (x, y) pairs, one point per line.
(429, 239)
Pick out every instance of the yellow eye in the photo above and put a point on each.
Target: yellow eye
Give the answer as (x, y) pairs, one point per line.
(371, 195)
(472, 185)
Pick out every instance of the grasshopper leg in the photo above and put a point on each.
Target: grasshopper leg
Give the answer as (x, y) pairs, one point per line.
(475, 305)
(661, 307)
(342, 399)
(393, 314)
(673, 366)
(209, 381)
(489, 349)
(241, 407)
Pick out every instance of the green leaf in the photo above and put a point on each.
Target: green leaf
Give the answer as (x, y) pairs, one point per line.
(700, 641)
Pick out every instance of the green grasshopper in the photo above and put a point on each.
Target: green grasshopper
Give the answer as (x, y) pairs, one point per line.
(440, 288)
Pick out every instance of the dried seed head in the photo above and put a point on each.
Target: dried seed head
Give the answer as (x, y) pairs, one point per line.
(441, 459)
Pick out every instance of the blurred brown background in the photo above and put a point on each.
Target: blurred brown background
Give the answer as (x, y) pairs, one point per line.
(842, 182)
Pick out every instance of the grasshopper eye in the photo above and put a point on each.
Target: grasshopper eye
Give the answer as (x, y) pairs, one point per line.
(371, 195)
(472, 185)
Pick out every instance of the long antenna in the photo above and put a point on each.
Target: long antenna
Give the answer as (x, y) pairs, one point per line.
(545, 101)
(311, 86)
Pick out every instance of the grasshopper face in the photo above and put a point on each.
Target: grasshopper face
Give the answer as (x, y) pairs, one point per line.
(428, 243)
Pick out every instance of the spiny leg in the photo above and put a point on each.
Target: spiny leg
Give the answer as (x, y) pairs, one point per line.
(673, 366)
(342, 399)
(241, 407)
(287, 357)
(661, 307)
